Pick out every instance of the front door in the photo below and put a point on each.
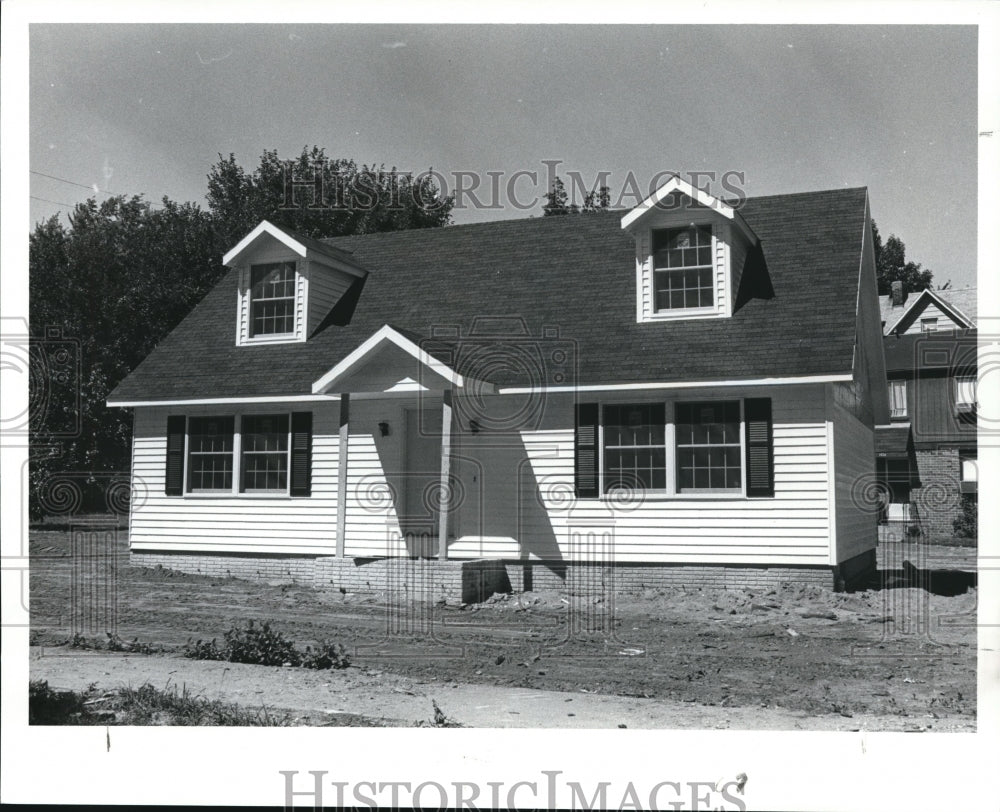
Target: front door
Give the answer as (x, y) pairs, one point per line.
(421, 479)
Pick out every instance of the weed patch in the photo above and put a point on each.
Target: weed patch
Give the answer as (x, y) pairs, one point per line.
(145, 705)
(262, 645)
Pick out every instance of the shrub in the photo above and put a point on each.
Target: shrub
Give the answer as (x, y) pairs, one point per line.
(49, 707)
(259, 645)
(262, 645)
(201, 650)
(327, 655)
(965, 526)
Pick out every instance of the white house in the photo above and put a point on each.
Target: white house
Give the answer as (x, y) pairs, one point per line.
(685, 394)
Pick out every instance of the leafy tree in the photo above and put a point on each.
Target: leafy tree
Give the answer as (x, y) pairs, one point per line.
(106, 289)
(321, 197)
(891, 265)
(597, 201)
(123, 274)
(557, 200)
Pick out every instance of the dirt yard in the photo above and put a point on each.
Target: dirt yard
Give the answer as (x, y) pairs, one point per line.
(897, 657)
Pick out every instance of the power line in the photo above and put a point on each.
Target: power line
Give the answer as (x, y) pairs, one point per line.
(70, 182)
(54, 202)
(80, 185)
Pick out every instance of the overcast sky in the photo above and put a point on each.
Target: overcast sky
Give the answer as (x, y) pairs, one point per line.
(148, 108)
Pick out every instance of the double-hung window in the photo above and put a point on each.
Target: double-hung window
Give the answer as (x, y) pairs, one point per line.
(689, 447)
(210, 454)
(683, 277)
(227, 454)
(272, 299)
(264, 449)
(709, 447)
(635, 455)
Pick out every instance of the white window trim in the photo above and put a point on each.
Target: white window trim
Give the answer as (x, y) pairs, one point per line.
(236, 489)
(244, 306)
(645, 267)
(957, 387)
(966, 457)
(670, 493)
(895, 414)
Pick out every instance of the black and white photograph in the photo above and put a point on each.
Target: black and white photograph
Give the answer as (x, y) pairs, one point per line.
(500, 408)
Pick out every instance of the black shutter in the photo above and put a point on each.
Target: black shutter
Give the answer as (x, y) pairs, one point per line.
(174, 478)
(587, 415)
(301, 476)
(759, 446)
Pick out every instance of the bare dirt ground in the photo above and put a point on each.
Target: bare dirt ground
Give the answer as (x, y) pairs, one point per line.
(896, 657)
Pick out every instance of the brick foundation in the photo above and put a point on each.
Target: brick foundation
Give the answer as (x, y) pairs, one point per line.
(471, 581)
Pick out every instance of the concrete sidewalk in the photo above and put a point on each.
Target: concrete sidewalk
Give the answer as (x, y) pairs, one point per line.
(313, 696)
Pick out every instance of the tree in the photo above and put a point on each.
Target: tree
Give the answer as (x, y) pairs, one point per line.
(110, 286)
(103, 293)
(321, 197)
(557, 200)
(891, 265)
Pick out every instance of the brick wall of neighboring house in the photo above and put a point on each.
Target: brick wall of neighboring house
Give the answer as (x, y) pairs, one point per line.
(938, 500)
(469, 581)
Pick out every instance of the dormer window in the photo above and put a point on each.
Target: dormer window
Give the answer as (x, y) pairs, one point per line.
(690, 250)
(272, 299)
(286, 285)
(682, 268)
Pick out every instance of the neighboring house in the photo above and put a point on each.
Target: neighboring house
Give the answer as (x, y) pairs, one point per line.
(927, 452)
(686, 394)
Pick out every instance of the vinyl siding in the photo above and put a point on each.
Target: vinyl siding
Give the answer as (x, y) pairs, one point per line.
(326, 286)
(514, 496)
(541, 513)
(930, 311)
(854, 458)
(224, 523)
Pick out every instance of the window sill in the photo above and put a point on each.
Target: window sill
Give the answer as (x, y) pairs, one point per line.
(231, 495)
(731, 496)
(681, 315)
(283, 338)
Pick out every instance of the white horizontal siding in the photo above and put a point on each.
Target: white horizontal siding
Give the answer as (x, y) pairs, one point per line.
(931, 310)
(543, 515)
(517, 495)
(232, 523)
(326, 286)
(854, 456)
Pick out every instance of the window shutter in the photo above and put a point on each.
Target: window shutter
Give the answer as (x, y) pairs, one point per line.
(174, 477)
(759, 447)
(301, 476)
(586, 450)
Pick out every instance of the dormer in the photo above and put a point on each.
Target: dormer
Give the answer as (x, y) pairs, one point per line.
(287, 284)
(690, 248)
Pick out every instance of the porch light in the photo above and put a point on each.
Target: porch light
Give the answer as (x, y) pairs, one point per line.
(383, 429)
(474, 426)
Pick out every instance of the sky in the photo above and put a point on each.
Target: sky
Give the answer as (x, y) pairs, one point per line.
(149, 108)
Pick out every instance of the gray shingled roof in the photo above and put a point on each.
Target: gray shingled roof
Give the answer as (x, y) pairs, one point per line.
(574, 273)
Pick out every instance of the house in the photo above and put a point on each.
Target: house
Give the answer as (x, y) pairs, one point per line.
(927, 452)
(685, 394)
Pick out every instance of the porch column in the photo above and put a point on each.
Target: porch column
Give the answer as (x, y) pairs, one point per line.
(345, 410)
(445, 476)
